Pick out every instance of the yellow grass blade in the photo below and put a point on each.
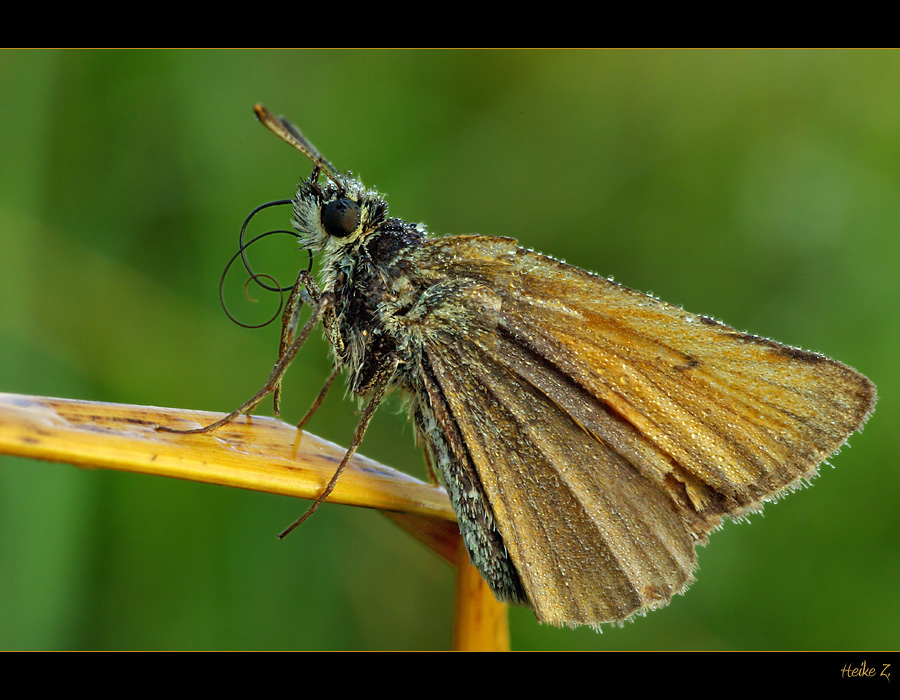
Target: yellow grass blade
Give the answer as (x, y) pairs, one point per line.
(260, 454)
(480, 621)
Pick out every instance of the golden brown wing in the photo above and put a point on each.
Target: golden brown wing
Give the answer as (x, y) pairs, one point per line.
(611, 431)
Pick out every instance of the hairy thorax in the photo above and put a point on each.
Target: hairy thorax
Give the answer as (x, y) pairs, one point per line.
(375, 289)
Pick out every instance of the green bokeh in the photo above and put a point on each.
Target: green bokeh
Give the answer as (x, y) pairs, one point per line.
(756, 187)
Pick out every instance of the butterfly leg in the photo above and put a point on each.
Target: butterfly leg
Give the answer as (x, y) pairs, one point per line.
(304, 291)
(378, 392)
(321, 304)
(312, 409)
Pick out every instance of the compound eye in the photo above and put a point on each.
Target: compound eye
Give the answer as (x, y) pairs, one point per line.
(340, 217)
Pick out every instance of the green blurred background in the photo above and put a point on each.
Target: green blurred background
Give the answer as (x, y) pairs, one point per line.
(757, 187)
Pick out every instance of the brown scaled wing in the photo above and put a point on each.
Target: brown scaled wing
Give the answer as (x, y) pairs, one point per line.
(612, 431)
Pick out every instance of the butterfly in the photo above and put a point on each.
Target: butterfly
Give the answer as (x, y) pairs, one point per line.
(589, 436)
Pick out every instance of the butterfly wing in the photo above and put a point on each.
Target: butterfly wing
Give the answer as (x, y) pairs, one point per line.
(608, 431)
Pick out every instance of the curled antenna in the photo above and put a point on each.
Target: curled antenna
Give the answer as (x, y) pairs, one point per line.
(282, 128)
(254, 277)
(243, 248)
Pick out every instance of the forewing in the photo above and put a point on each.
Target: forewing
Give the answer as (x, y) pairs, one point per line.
(610, 430)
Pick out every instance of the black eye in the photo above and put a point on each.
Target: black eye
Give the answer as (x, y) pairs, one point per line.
(340, 217)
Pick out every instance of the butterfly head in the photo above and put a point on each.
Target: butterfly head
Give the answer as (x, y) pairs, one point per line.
(337, 213)
(333, 212)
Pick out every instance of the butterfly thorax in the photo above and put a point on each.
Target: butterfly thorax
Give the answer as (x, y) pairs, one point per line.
(365, 266)
(371, 285)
